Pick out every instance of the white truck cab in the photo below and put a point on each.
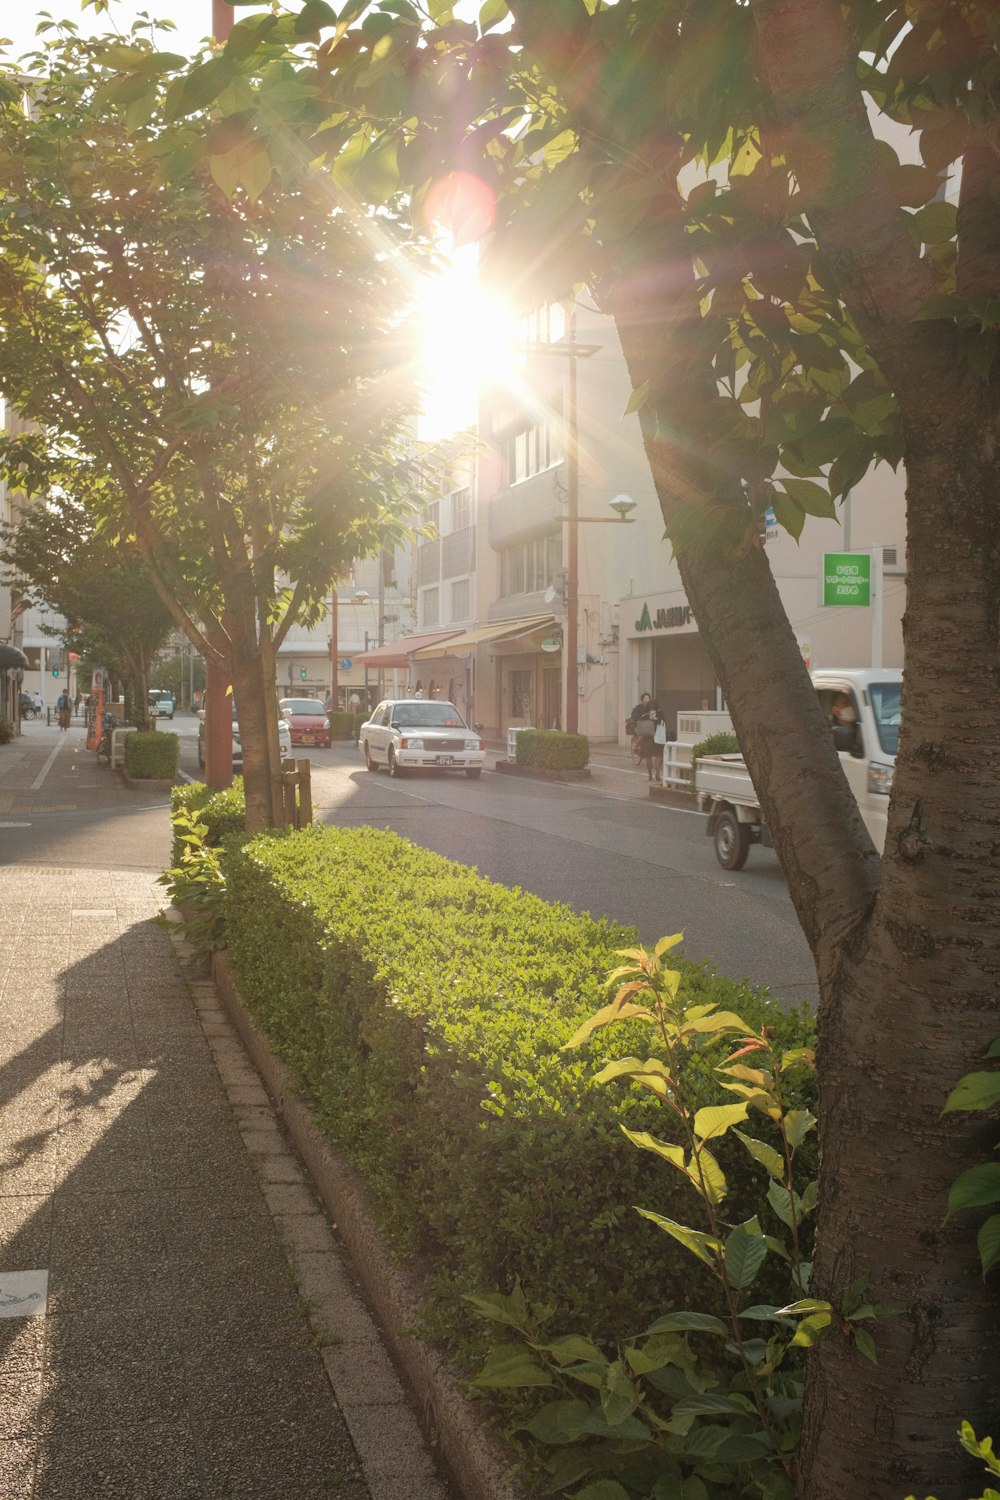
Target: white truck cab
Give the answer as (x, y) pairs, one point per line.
(862, 707)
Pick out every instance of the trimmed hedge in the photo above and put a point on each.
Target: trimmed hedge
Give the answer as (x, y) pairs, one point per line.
(152, 756)
(6, 731)
(724, 742)
(345, 725)
(552, 750)
(422, 1009)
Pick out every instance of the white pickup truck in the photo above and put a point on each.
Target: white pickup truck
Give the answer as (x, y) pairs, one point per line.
(867, 748)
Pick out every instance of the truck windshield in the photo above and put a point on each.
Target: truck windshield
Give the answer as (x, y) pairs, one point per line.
(884, 699)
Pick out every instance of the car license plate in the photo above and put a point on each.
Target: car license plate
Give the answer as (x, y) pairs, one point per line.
(446, 760)
(307, 739)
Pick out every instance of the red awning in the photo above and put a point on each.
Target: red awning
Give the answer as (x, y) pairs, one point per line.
(399, 653)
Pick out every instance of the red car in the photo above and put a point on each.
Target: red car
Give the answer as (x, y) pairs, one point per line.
(307, 720)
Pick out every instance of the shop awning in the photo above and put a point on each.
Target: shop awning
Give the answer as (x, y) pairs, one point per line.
(399, 653)
(11, 657)
(501, 631)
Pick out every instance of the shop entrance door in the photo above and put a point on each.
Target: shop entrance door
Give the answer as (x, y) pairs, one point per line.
(551, 698)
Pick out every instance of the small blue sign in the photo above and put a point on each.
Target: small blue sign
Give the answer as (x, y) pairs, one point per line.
(346, 663)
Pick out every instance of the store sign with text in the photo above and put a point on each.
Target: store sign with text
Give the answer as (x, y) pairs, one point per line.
(665, 619)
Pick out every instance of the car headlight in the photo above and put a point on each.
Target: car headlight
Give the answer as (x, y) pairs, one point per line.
(411, 744)
(326, 723)
(473, 745)
(880, 777)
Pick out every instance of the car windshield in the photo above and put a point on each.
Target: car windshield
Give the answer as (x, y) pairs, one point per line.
(429, 715)
(884, 698)
(301, 706)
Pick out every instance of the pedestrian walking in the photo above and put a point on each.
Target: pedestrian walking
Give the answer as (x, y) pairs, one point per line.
(645, 716)
(64, 709)
(39, 705)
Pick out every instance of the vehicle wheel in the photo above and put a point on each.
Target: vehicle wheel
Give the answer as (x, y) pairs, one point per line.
(732, 841)
(369, 763)
(475, 773)
(395, 769)
(636, 750)
(201, 755)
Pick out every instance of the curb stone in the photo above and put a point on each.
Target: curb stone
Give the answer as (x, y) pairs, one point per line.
(479, 1461)
(541, 773)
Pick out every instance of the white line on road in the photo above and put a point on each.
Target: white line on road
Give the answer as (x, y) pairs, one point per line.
(15, 825)
(45, 769)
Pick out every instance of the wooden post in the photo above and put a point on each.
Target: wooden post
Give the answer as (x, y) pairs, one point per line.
(305, 808)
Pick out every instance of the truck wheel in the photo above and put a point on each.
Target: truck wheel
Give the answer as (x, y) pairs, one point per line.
(732, 841)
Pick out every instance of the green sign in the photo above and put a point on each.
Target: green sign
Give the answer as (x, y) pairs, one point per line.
(847, 577)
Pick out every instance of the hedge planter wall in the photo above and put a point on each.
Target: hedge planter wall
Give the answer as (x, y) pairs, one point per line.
(422, 1009)
(552, 750)
(345, 725)
(152, 756)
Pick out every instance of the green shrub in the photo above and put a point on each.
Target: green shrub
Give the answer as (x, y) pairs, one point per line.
(422, 1009)
(6, 731)
(722, 743)
(222, 813)
(153, 756)
(552, 750)
(345, 725)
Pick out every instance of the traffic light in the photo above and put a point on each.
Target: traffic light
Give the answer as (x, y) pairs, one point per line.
(55, 671)
(302, 673)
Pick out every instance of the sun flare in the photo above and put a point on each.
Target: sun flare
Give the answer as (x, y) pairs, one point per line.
(467, 339)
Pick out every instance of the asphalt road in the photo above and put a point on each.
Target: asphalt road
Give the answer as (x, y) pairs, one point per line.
(601, 847)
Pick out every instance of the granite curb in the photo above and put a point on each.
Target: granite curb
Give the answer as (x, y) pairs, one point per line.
(542, 773)
(476, 1457)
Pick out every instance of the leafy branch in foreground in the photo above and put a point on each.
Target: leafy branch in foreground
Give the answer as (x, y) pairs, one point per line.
(700, 1398)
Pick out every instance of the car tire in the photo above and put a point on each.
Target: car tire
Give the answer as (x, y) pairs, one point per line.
(395, 769)
(732, 841)
(474, 773)
(201, 755)
(369, 763)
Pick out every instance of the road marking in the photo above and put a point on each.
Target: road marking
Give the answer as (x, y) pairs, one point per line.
(15, 825)
(45, 769)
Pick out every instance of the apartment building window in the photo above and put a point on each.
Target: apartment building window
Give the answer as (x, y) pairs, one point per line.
(543, 325)
(460, 502)
(529, 566)
(460, 600)
(434, 517)
(529, 451)
(430, 607)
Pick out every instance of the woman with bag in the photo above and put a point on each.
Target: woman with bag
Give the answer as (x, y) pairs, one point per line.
(644, 716)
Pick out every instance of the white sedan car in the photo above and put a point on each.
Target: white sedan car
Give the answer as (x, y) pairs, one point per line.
(405, 733)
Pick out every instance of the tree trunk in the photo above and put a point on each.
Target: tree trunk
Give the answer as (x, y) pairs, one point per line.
(914, 1009)
(257, 713)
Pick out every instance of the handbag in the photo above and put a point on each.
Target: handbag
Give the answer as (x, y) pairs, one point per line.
(644, 727)
(660, 734)
(630, 726)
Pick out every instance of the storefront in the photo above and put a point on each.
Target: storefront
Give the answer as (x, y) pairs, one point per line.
(509, 672)
(665, 655)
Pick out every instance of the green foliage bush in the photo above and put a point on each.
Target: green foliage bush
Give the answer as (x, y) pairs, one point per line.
(222, 813)
(153, 756)
(552, 750)
(422, 1009)
(6, 731)
(722, 743)
(345, 725)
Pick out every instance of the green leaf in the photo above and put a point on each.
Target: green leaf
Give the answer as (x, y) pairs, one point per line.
(711, 1405)
(988, 1240)
(652, 1074)
(974, 1187)
(509, 1367)
(812, 1329)
(646, 1142)
(602, 1489)
(573, 1347)
(745, 1253)
(783, 1203)
(715, 1119)
(865, 1344)
(637, 399)
(492, 13)
(688, 1322)
(560, 1422)
(788, 513)
(707, 1176)
(619, 1397)
(770, 1160)
(934, 224)
(701, 1245)
(743, 1448)
(815, 499)
(798, 1123)
(993, 1050)
(974, 1091)
(763, 1313)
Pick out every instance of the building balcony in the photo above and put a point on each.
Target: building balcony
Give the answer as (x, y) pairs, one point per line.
(531, 508)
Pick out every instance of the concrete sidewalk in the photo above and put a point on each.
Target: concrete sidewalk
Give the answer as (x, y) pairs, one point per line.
(158, 1239)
